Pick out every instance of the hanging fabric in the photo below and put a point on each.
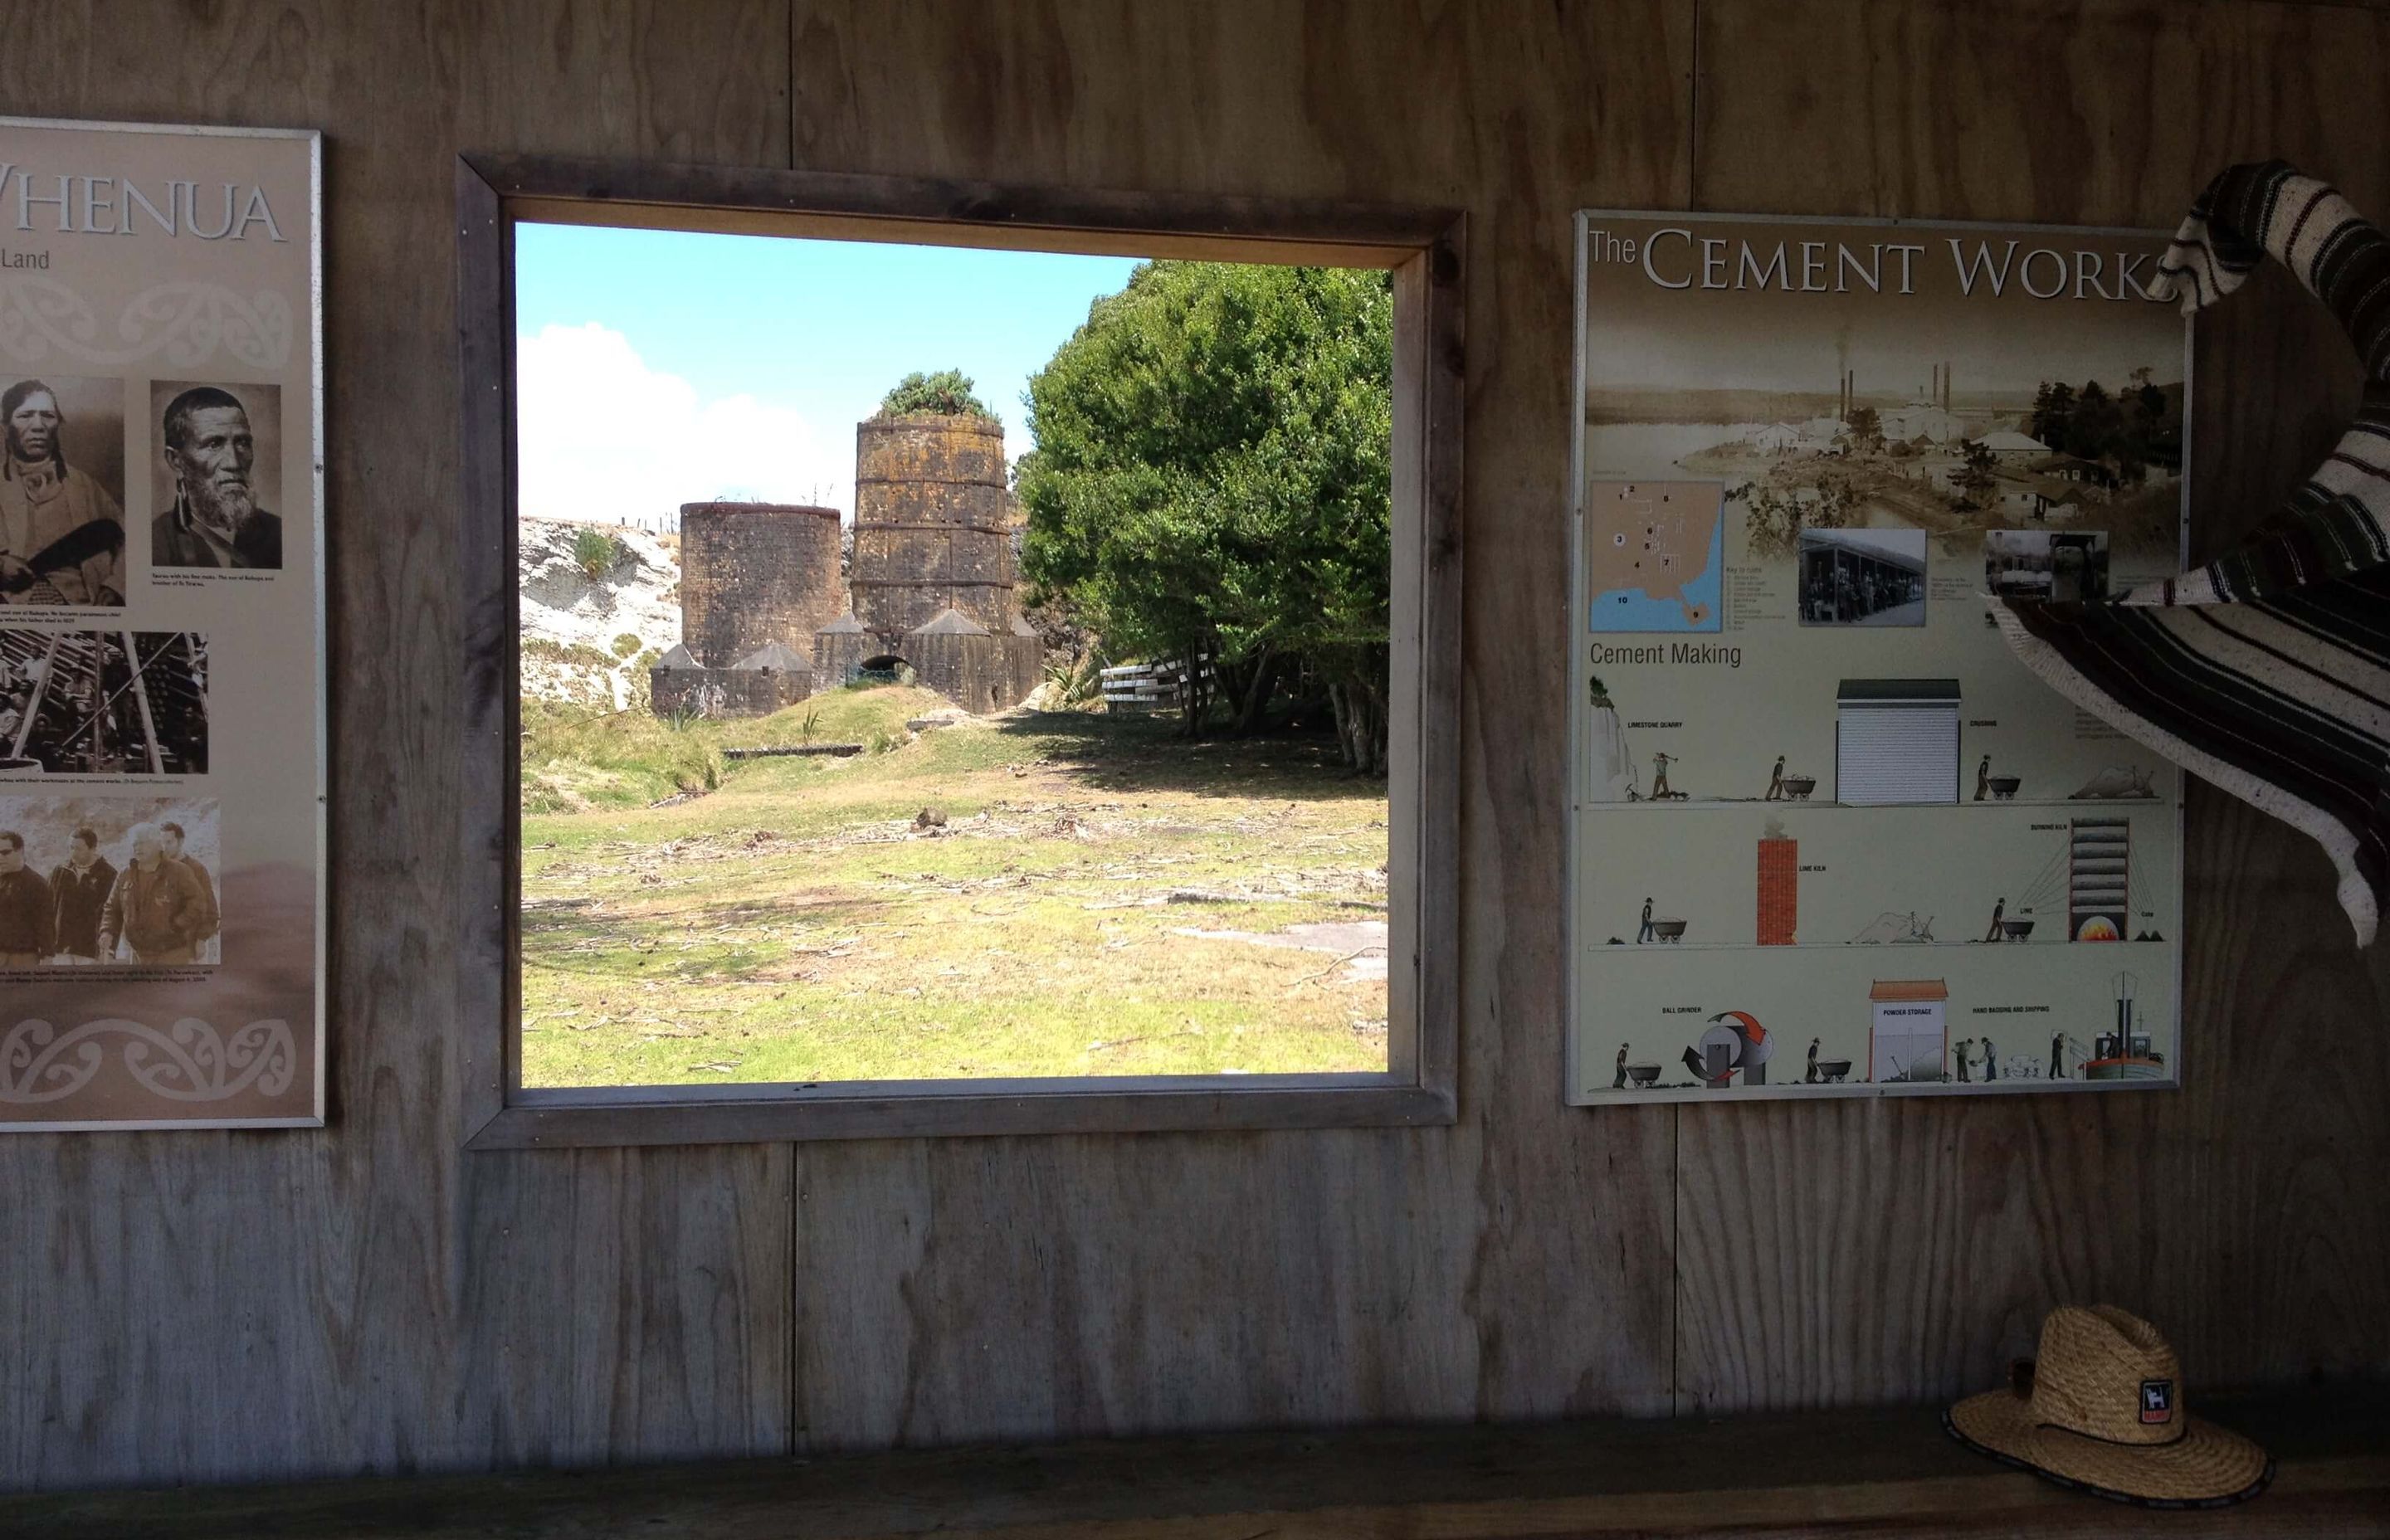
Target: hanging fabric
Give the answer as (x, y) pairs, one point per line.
(2267, 670)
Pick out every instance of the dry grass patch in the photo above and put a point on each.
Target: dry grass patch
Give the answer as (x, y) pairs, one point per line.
(1088, 904)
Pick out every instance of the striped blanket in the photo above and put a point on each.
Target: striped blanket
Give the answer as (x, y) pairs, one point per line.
(2268, 671)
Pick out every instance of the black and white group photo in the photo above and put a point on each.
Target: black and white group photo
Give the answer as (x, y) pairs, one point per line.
(1862, 577)
(103, 703)
(61, 491)
(215, 476)
(2066, 565)
(127, 880)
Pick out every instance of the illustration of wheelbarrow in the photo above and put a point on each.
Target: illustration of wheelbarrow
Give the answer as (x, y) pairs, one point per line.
(1833, 1071)
(1798, 787)
(2015, 929)
(2004, 787)
(1669, 931)
(1643, 1076)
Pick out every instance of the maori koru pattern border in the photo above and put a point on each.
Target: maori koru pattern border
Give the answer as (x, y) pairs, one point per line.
(185, 323)
(190, 1062)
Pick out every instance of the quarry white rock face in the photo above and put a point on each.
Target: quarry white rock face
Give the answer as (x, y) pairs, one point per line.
(572, 624)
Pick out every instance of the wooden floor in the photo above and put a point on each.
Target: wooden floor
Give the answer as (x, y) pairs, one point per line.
(1882, 1473)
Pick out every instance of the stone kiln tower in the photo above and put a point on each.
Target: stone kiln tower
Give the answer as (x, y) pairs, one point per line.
(932, 522)
(764, 621)
(754, 573)
(934, 576)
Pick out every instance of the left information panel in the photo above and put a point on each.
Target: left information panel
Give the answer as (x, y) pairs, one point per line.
(162, 627)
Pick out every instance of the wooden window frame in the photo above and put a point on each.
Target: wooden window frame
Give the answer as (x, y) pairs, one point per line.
(1424, 248)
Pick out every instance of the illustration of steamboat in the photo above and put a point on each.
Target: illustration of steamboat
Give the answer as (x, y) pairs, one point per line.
(2125, 1054)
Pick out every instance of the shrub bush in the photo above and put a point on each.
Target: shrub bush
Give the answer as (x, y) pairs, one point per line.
(595, 553)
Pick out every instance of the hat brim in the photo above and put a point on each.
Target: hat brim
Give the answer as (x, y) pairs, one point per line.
(2208, 1466)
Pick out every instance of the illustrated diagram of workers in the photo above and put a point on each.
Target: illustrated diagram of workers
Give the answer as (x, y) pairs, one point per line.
(1961, 1050)
(1776, 782)
(2058, 1056)
(1991, 1063)
(1983, 778)
(2000, 908)
(1620, 1083)
(1660, 763)
(1646, 933)
(1811, 1078)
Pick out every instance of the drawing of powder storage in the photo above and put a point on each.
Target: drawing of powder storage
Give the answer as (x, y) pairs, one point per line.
(1907, 1031)
(1896, 741)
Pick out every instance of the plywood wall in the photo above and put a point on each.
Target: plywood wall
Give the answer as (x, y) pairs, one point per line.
(221, 1306)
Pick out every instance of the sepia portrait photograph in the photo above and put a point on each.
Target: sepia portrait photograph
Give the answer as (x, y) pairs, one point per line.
(61, 491)
(92, 879)
(216, 476)
(102, 703)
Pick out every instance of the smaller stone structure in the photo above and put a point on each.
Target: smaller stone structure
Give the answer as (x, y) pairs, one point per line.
(1027, 654)
(752, 573)
(839, 649)
(768, 678)
(676, 682)
(953, 655)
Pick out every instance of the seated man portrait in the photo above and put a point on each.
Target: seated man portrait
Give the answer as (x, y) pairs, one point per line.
(61, 534)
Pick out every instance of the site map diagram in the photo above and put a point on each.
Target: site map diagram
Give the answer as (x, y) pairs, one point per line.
(1653, 554)
(1828, 836)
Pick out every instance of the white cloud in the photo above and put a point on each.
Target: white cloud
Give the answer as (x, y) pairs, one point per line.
(602, 436)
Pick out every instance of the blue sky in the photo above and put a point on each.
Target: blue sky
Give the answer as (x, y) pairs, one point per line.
(657, 367)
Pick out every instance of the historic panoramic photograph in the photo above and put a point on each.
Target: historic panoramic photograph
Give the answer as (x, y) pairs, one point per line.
(1859, 406)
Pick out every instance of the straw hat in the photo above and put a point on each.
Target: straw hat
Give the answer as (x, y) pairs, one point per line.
(2102, 1410)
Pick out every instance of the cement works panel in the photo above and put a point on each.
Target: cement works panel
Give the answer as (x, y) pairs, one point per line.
(1909, 1250)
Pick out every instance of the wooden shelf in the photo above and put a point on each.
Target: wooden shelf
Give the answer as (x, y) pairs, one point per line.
(1881, 1472)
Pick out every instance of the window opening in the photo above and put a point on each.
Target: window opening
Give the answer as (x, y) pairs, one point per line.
(948, 664)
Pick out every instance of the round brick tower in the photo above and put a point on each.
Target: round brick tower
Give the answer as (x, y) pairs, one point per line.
(932, 528)
(755, 573)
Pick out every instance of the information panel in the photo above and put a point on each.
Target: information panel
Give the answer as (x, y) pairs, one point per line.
(162, 683)
(1828, 837)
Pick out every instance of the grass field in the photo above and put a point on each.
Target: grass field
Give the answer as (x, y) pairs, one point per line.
(1086, 896)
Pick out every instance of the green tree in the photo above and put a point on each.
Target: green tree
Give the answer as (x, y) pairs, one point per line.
(2098, 428)
(1211, 480)
(2052, 420)
(947, 393)
(1975, 481)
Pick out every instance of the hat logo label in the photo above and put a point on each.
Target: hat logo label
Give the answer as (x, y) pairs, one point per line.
(2157, 1401)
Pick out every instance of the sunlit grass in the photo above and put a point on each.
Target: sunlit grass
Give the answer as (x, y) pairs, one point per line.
(799, 923)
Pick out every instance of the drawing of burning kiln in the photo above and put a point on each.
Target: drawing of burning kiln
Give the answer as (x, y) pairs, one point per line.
(2099, 877)
(1908, 1035)
(933, 587)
